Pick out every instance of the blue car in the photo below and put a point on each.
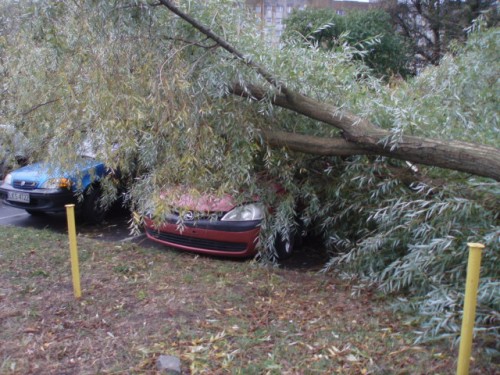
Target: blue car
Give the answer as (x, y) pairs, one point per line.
(40, 188)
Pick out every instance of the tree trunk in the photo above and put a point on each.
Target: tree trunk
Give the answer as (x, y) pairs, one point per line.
(363, 138)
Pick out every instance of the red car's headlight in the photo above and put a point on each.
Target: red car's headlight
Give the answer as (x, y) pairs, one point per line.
(253, 211)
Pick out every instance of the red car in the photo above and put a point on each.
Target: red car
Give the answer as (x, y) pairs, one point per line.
(214, 226)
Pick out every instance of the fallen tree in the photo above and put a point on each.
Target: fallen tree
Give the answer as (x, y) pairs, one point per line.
(361, 135)
(384, 235)
(170, 106)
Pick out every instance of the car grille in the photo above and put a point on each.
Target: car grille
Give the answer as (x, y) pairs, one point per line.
(194, 215)
(198, 242)
(25, 185)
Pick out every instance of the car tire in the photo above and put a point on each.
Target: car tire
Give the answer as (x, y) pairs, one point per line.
(35, 213)
(92, 211)
(284, 248)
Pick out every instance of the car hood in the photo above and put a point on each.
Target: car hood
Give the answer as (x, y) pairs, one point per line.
(42, 171)
(183, 199)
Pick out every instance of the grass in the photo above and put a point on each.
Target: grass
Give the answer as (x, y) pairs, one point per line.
(218, 316)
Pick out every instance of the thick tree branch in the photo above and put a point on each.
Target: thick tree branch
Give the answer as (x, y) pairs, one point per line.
(369, 139)
(312, 145)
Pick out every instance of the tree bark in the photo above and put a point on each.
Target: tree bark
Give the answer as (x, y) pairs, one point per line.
(312, 145)
(360, 136)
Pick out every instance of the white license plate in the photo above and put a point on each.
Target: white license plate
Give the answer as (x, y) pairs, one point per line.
(18, 197)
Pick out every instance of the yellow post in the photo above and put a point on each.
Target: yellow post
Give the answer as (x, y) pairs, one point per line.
(469, 317)
(75, 270)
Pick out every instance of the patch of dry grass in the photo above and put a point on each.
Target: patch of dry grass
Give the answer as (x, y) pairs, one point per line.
(218, 316)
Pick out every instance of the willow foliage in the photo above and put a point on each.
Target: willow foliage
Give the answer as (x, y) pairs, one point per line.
(152, 94)
(415, 240)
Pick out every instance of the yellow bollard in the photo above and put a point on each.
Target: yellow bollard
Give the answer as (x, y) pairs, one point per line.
(75, 270)
(473, 266)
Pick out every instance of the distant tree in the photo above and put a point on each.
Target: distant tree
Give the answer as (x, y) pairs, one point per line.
(369, 32)
(432, 25)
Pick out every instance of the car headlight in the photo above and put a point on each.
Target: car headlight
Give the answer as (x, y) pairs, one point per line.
(56, 183)
(247, 212)
(8, 179)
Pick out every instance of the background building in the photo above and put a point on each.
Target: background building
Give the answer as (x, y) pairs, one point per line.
(273, 12)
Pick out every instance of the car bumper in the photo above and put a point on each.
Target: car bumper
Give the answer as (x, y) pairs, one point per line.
(233, 239)
(43, 200)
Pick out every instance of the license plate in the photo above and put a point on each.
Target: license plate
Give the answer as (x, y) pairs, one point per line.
(18, 197)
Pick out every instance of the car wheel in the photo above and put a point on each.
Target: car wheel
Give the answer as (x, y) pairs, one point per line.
(284, 248)
(35, 213)
(92, 210)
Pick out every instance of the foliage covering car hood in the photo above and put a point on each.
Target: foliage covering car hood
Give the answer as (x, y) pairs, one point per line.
(190, 200)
